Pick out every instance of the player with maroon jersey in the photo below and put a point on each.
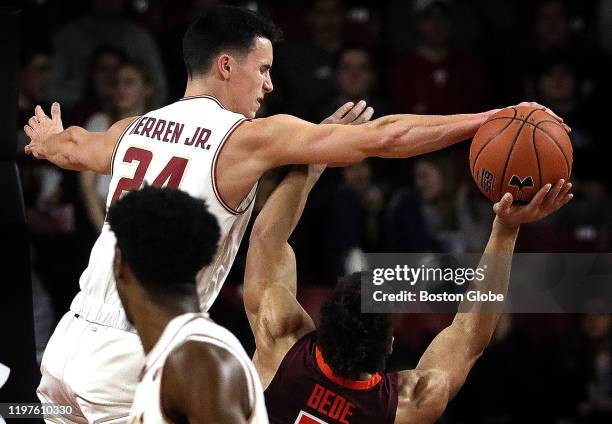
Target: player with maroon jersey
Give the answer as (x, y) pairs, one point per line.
(336, 373)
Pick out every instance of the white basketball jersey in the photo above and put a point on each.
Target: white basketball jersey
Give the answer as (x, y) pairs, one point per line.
(176, 146)
(147, 407)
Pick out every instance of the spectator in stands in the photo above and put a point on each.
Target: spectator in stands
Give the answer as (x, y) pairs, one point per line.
(34, 76)
(355, 218)
(99, 84)
(50, 205)
(304, 70)
(586, 369)
(441, 214)
(356, 78)
(553, 34)
(134, 93)
(105, 24)
(432, 78)
(559, 86)
(596, 407)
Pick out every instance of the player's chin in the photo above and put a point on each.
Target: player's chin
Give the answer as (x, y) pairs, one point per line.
(253, 112)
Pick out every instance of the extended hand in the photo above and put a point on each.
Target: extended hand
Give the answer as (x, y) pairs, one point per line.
(546, 201)
(347, 114)
(40, 127)
(350, 114)
(547, 110)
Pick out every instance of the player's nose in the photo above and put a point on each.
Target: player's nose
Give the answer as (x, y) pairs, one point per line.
(268, 87)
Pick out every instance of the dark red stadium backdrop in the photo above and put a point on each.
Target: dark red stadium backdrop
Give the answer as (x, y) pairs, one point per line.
(16, 320)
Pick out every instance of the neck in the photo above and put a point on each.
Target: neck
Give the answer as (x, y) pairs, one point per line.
(324, 366)
(151, 316)
(206, 86)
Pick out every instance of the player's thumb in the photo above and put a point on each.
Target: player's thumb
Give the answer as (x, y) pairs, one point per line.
(503, 204)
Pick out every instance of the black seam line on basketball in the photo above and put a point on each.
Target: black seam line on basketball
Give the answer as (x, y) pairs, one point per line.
(535, 149)
(556, 144)
(537, 127)
(491, 139)
(503, 178)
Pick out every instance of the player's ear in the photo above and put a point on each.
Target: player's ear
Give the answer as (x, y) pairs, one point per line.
(224, 66)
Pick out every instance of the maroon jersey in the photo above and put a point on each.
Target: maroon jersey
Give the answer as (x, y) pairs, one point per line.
(306, 391)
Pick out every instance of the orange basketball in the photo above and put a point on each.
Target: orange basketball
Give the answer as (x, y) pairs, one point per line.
(519, 150)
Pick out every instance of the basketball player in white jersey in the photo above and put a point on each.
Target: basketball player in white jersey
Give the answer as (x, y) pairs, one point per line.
(208, 145)
(195, 370)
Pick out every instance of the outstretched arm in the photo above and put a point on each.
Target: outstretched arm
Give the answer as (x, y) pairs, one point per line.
(393, 136)
(276, 318)
(72, 148)
(444, 366)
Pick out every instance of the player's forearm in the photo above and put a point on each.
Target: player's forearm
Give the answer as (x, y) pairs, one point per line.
(284, 207)
(479, 319)
(62, 148)
(411, 135)
(270, 259)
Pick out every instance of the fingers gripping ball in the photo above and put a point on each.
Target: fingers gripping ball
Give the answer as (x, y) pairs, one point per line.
(519, 150)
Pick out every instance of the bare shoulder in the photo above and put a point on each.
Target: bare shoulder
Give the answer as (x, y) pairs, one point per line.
(422, 396)
(120, 126)
(269, 127)
(204, 381)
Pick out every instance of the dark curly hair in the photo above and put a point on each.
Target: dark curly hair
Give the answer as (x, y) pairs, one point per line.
(353, 342)
(165, 235)
(223, 27)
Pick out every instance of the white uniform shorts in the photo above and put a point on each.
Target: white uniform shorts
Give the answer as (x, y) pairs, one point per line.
(93, 368)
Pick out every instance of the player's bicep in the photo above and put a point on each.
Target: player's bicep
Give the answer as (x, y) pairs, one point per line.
(450, 352)
(284, 139)
(96, 148)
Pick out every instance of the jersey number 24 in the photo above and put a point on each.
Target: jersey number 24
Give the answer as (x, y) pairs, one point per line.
(171, 175)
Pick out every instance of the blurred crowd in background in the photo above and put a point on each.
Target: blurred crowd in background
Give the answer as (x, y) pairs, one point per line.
(105, 60)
